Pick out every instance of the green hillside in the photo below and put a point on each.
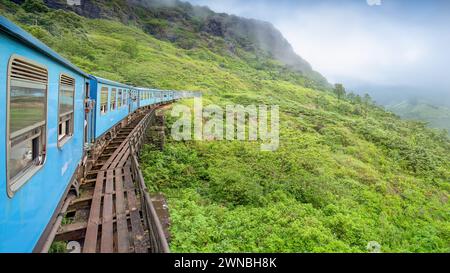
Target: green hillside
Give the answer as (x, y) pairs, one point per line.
(436, 116)
(346, 173)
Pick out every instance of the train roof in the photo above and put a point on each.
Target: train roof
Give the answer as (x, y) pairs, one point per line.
(15, 31)
(109, 82)
(150, 89)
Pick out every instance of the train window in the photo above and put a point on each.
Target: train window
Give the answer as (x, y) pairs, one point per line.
(113, 99)
(104, 100)
(27, 115)
(65, 109)
(125, 97)
(119, 99)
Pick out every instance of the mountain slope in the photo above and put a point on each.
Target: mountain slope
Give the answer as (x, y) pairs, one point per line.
(346, 173)
(436, 116)
(192, 26)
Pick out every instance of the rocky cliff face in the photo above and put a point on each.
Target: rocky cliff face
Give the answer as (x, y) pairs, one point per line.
(254, 35)
(186, 24)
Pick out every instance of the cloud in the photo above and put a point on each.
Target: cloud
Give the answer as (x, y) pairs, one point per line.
(340, 42)
(374, 2)
(393, 44)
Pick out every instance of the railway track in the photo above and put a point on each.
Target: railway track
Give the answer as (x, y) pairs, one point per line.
(113, 212)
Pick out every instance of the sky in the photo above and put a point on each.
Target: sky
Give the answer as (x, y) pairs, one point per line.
(365, 44)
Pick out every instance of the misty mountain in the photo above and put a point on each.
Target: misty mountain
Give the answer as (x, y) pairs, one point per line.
(189, 26)
(393, 94)
(414, 109)
(430, 105)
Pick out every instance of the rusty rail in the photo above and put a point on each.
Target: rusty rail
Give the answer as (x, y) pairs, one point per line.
(157, 237)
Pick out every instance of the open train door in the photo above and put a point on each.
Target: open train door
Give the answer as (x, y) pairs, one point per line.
(133, 101)
(130, 94)
(88, 118)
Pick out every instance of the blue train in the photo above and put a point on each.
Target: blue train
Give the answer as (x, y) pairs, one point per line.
(52, 115)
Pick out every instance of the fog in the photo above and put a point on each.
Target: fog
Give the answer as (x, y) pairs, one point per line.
(395, 50)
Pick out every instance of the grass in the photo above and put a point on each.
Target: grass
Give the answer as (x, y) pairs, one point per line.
(58, 247)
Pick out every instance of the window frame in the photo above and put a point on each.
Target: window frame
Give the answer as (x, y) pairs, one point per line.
(111, 102)
(104, 112)
(125, 98)
(13, 185)
(119, 98)
(62, 141)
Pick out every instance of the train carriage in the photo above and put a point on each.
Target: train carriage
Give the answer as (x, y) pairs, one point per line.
(144, 97)
(148, 96)
(113, 102)
(42, 109)
(159, 96)
(55, 116)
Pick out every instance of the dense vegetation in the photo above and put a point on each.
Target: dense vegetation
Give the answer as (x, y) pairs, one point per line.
(346, 173)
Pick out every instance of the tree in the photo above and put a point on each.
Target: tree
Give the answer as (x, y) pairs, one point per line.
(351, 96)
(339, 90)
(34, 6)
(367, 99)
